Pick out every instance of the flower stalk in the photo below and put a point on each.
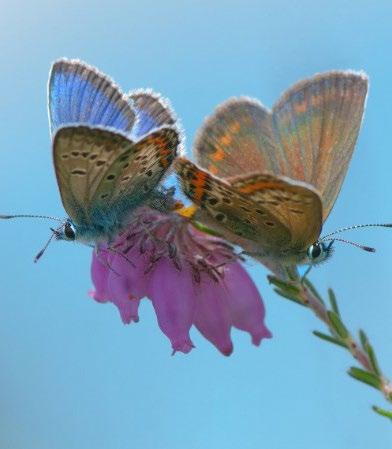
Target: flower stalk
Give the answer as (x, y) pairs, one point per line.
(302, 292)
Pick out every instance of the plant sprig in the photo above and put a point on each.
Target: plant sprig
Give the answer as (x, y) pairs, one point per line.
(303, 292)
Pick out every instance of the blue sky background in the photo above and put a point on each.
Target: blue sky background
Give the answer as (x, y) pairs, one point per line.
(72, 376)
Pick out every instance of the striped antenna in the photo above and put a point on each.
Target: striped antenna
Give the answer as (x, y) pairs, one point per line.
(8, 217)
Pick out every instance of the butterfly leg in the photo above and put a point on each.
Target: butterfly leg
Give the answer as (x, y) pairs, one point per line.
(103, 261)
(306, 273)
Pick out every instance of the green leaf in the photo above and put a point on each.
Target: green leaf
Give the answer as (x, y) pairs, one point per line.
(204, 228)
(287, 287)
(333, 302)
(329, 338)
(382, 412)
(312, 288)
(285, 295)
(368, 348)
(372, 358)
(363, 338)
(337, 325)
(364, 376)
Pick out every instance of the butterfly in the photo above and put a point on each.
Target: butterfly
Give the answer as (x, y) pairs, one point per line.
(268, 179)
(110, 150)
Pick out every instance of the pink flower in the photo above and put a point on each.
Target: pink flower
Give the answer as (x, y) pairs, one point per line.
(192, 278)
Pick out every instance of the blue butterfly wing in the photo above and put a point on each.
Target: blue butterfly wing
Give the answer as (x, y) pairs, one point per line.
(152, 112)
(80, 94)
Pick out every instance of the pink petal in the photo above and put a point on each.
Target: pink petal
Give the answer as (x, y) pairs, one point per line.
(137, 279)
(99, 275)
(245, 303)
(172, 295)
(126, 303)
(212, 317)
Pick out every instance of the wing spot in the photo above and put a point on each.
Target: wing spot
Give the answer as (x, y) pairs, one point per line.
(126, 165)
(146, 188)
(110, 177)
(104, 195)
(260, 212)
(78, 171)
(75, 153)
(213, 201)
(85, 154)
(125, 178)
(64, 156)
(271, 224)
(93, 156)
(226, 200)
(100, 163)
(220, 217)
(149, 173)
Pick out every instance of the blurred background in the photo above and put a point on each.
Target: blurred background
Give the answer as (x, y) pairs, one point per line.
(72, 375)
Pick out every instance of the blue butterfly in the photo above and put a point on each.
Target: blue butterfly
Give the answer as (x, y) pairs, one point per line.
(110, 150)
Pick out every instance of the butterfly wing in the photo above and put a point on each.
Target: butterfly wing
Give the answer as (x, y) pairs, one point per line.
(152, 111)
(236, 139)
(296, 205)
(103, 175)
(316, 125)
(78, 93)
(230, 209)
(81, 156)
(133, 176)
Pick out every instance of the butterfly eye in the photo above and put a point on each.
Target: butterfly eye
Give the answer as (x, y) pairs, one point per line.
(69, 231)
(314, 251)
(319, 252)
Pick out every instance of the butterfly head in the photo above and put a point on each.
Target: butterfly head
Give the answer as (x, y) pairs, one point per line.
(67, 231)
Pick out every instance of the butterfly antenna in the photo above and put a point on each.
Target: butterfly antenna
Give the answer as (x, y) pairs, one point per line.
(40, 253)
(8, 217)
(369, 249)
(349, 228)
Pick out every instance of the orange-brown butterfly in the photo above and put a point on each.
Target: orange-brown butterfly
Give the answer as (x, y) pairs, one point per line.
(272, 177)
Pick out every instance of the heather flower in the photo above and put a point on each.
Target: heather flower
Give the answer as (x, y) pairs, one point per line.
(191, 278)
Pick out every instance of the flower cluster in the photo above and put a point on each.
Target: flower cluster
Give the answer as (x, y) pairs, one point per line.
(191, 278)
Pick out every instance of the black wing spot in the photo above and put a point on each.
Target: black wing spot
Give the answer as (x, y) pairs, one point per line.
(93, 156)
(100, 163)
(104, 195)
(271, 224)
(226, 200)
(220, 217)
(64, 156)
(110, 177)
(78, 171)
(149, 173)
(213, 201)
(75, 153)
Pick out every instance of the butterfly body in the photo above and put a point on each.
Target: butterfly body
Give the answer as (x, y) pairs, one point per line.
(267, 180)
